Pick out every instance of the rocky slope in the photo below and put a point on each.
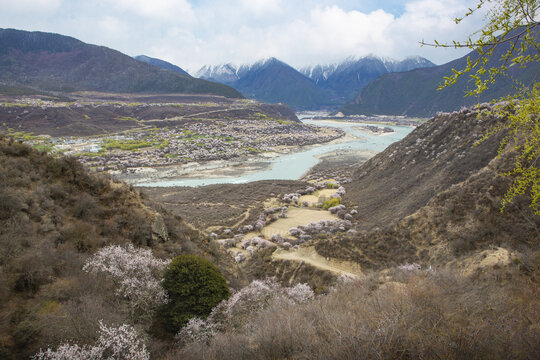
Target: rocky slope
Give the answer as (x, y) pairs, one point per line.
(54, 62)
(434, 197)
(433, 157)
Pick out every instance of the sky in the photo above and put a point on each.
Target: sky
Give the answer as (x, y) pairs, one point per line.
(193, 33)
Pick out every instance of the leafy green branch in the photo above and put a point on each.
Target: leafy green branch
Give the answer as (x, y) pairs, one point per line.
(511, 23)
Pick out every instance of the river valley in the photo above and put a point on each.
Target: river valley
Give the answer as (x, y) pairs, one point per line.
(290, 164)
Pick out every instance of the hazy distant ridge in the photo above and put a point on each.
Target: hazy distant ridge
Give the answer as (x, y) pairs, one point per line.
(310, 87)
(161, 64)
(55, 62)
(414, 93)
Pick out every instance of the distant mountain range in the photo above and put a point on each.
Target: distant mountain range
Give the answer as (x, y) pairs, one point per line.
(268, 80)
(38, 61)
(319, 86)
(161, 64)
(53, 62)
(344, 80)
(414, 93)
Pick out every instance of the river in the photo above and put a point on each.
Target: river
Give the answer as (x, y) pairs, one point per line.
(292, 166)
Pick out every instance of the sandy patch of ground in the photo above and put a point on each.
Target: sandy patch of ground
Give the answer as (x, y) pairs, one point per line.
(310, 199)
(210, 169)
(491, 258)
(295, 217)
(310, 256)
(271, 203)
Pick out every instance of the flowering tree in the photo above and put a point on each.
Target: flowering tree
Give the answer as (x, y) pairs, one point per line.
(235, 311)
(137, 273)
(114, 343)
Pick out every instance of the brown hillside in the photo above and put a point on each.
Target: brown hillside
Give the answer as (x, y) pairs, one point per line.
(53, 216)
(404, 177)
(457, 214)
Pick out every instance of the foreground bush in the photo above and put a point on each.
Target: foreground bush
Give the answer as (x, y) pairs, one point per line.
(194, 286)
(121, 343)
(235, 312)
(423, 316)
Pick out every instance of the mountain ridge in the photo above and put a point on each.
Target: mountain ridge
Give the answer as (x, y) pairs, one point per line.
(268, 80)
(161, 64)
(54, 62)
(343, 80)
(414, 93)
(328, 86)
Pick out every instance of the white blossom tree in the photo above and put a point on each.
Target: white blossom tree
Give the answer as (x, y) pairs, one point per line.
(235, 311)
(114, 343)
(137, 273)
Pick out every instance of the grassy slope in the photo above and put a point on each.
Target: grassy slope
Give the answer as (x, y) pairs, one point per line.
(437, 197)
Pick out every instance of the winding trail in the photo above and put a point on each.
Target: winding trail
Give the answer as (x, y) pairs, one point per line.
(309, 256)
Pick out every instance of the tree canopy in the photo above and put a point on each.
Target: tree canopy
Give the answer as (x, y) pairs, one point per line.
(194, 286)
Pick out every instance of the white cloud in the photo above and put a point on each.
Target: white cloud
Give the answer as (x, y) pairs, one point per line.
(261, 7)
(113, 27)
(30, 6)
(169, 10)
(431, 20)
(349, 32)
(322, 34)
(193, 33)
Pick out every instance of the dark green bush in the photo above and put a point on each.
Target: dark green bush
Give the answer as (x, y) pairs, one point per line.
(194, 286)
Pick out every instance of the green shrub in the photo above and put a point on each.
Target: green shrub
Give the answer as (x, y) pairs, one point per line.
(331, 203)
(194, 286)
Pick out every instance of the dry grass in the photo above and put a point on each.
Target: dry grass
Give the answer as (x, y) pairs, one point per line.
(221, 205)
(423, 316)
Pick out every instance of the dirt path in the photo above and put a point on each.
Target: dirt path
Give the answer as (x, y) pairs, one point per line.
(244, 218)
(309, 256)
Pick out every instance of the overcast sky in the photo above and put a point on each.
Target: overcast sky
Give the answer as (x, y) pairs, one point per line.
(192, 33)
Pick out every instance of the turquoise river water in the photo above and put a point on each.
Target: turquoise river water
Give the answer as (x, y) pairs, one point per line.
(292, 166)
